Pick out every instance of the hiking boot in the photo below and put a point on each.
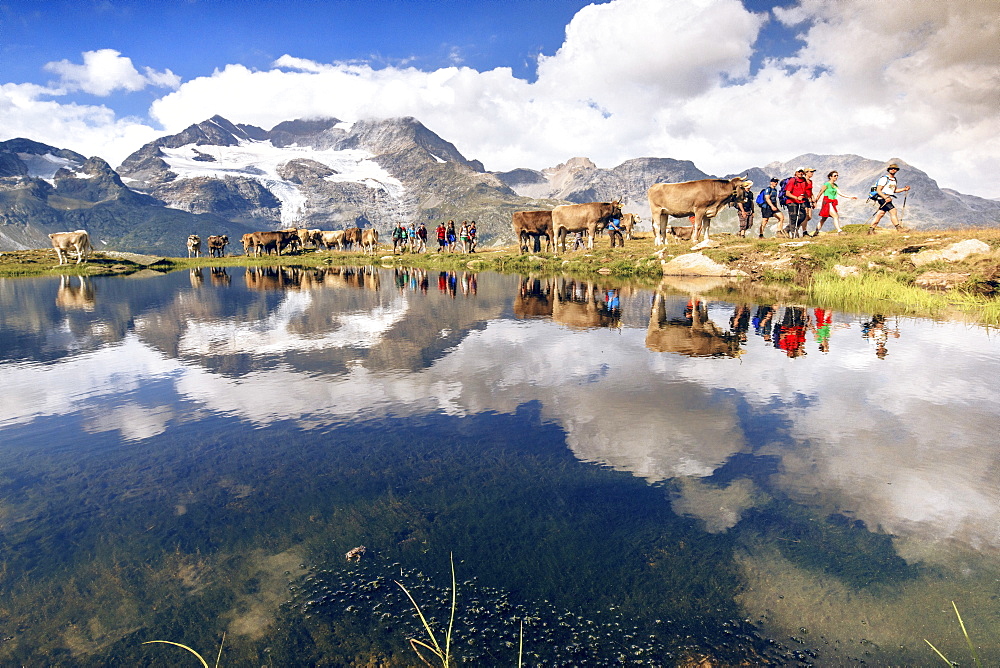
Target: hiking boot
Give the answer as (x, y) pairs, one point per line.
(900, 228)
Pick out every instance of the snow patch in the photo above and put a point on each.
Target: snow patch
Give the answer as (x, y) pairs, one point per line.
(260, 160)
(45, 166)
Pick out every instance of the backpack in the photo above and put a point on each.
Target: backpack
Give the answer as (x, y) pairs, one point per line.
(782, 199)
(761, 197)
(873, 193)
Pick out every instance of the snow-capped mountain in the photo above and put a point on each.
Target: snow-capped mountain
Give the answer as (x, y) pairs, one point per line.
(319, 173)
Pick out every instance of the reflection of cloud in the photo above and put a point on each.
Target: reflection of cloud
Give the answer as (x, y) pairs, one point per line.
(719, 507)
(275, 333)
(133, 421)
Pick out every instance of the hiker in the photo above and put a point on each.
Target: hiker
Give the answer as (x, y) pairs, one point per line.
(798, 195)
(614, 229)
(767, 200)
(885, 191)
(398, 238)
(810, 203)
(472, 236)
(744, 210)
(422, 238)
(463, 235)
(451, 236)
(828, 207)
(442, 236)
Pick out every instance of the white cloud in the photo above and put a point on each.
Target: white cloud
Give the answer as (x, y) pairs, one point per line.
(105, 71)
(667, 78)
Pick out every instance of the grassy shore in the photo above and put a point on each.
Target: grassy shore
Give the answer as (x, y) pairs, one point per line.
(778, 269)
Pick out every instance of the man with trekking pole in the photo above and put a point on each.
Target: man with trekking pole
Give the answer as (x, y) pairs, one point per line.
(885, 191)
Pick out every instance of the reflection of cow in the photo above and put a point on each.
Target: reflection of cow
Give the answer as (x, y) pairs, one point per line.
(217, 245)
(72, 296)
(691, 334)
(196, 277)
(575, 304)
(532, 224)
(703, 199)
(194, 245)
(66, 242)
(590, 217)
(220, 276)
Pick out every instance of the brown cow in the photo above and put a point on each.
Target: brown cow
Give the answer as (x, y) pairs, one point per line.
(590, 217)
(692, 333)
(703, 199)
(352, 235)
(78, 242)
(369, 240)
(329, 239)
(194, 245)
(629, 221)
(248, 243)
(217, 245)
(276, 240)
(535, 224)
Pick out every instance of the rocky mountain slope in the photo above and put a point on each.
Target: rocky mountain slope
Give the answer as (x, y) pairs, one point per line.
(45, 189)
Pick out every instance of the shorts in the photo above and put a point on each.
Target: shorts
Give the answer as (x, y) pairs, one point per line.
(767, 212)
(884, 203)
(828, 205)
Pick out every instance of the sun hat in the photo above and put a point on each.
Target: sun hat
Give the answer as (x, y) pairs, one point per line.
(892, 165)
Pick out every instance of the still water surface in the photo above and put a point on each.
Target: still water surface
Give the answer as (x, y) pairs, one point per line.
(640, 477)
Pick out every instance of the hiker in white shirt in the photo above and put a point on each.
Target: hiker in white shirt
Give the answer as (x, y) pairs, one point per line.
(885, 189)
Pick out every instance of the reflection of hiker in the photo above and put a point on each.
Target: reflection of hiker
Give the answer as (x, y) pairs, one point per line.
(885, 191)
(762, 322)
(876, 331)
(792, 338)
(740, 322)
(823, 321)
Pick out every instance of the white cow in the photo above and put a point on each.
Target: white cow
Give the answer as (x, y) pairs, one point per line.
(194, 246)
(64, 242)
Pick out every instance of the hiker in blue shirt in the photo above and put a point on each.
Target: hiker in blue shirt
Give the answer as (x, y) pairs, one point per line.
(615, 232)
(767, 200)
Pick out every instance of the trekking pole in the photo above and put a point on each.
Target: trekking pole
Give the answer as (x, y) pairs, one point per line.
(902, 209)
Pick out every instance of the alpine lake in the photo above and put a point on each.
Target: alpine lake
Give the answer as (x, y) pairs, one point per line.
(620, 475)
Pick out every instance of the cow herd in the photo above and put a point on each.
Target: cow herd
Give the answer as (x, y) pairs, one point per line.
(698, 201)
(295, 238)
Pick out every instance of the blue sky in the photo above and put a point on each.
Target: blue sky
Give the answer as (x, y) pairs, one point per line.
(610, 81)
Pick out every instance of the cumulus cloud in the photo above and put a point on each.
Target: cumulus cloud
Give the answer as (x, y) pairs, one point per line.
(105, 71)
(666, 78)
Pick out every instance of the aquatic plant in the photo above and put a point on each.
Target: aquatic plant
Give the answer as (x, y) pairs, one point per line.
(443, 654)
(968, 641)
(200, 657)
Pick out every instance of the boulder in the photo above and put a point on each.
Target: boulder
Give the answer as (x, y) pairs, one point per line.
(698, 264)
(940, 280)
(843, 270)
(956, 252)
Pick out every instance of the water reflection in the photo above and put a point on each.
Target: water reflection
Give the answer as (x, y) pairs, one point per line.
(718, 402)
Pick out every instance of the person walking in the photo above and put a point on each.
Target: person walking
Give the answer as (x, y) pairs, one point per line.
(614, 229)
(769, 208)
(451, 236)
(442, 237)
(885, 191)
(472, 236)
(422, 238)
(798, 193)
(810, 203)
(829, 195)
(463, 235)
(744, 210)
